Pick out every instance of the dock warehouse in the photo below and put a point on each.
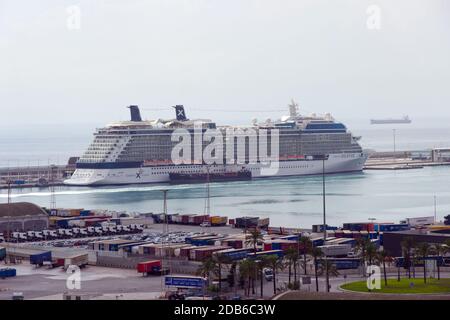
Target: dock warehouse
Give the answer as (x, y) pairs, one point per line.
(22, 216)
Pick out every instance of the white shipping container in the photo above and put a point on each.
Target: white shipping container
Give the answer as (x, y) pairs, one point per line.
(130, 221)
(421, 221)
(336, 249)
(77, 223)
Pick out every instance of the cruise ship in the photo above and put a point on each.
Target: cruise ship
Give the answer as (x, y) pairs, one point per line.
(140, 151)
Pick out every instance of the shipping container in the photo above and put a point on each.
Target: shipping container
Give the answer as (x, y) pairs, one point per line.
(184, 252)
(234, 243)
(233, 254)
(79, 260)
(336, 250)
(2, 253)
(185, 218)
(317, 241)
(85, 213)
(246, 222)
(171, 218)
(359, 226)
(7, 273)
(218, 220)
(318, 228)
(422, 221)
(39, 258)
(149, 266)
(278, 253)
(202, 253)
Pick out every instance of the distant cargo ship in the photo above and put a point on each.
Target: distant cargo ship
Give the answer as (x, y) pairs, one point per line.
(405, 119)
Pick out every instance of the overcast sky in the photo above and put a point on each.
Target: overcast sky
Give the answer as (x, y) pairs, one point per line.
(222, 55)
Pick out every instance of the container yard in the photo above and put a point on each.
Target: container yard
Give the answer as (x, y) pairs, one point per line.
(142, 243)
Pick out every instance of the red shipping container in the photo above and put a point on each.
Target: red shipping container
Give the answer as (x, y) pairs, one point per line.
(231, 221)
(267, 246)
(148, 266)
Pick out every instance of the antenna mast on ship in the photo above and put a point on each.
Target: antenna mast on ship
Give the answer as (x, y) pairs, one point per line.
(293, 108)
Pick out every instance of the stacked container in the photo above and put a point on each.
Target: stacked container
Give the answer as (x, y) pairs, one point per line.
(218, 220)
(204, 252)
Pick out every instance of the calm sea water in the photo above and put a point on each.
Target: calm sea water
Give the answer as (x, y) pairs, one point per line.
(294, 201)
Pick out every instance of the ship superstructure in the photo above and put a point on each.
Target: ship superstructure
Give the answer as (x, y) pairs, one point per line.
(140, 151)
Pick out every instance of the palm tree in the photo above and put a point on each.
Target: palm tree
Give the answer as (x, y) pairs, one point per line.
(291, 255)
(360, 249)
(254, 238)
(247, 270)
(306, 244)
(262, 263)
(219, 261)
(370, 252)
(316, 253)
(407, 244)
(423, 249)
(383, 255)
(439, 250)
(288, 257)
(208, 265)
(329, 269)
(275, 264)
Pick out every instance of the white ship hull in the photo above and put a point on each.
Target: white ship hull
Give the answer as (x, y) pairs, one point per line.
(345, 162)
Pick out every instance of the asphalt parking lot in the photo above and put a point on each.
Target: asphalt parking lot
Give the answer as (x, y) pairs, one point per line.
(41, 283)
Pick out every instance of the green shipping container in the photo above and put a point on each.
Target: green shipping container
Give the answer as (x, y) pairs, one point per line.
(2, 253)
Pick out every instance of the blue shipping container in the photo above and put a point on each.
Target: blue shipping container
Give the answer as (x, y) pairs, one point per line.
(317, 242)
(7, 272)
(39, 258)
(84, 213)
(391, 227)
(237, 254)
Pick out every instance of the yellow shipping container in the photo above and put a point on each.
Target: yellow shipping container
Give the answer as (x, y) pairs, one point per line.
(219, 220)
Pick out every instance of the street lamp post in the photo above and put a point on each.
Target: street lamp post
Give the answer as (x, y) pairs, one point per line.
(324, 202)
(325, 221)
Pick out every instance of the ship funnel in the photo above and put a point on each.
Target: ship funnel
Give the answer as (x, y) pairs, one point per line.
(135, 113)
(179, 111)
